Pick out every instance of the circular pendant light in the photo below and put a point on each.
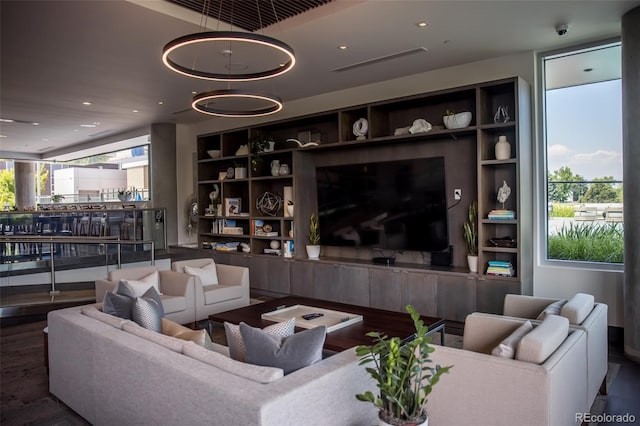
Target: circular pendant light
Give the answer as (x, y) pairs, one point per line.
(231, 37)
(202, 101)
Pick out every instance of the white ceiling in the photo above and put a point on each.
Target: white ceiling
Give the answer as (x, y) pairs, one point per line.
(58, 54)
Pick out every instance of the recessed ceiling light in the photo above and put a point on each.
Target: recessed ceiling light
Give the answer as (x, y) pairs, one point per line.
(6, 120)
(45, 140)
(343, 47)
(87, 125)
(193, 92)
(86, 103)
(75, 130)
(35, 124)
(96, 123)
(3, 136)
(160, 103)
(134, 110)
(587, 69)
(422, 24)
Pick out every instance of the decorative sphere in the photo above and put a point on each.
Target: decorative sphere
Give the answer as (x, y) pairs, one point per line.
(275, 244)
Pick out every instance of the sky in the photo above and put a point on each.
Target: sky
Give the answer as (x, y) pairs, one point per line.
(584, 129)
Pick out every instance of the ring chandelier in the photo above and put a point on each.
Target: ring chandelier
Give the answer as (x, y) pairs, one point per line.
(201, 100)
(228, 36)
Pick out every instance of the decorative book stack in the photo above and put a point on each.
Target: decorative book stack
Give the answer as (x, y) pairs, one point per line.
(502, 215)
(500, 268)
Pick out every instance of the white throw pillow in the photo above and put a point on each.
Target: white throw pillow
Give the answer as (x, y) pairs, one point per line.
(538, 345)
(553, 309)
(207, 274)
(140, 286)
(236, 343)
(507, 348)
(578, 308)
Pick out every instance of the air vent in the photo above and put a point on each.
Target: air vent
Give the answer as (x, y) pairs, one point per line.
(382, 59)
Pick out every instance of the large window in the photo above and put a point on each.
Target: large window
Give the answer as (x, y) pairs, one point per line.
(583, 150)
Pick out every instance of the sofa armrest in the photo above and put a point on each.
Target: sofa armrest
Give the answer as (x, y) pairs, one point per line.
(102, 287)
(176, 284)
(232, 275)
(520, 306)
(483, 332)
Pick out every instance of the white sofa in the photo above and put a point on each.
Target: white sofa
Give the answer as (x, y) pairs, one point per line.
(115, 372)
(483, 389)
(593, 322)
(231, 292)
(177, 290)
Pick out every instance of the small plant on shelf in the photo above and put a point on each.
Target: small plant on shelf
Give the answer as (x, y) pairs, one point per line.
(314, 230)
(258, 145)
(471, 230)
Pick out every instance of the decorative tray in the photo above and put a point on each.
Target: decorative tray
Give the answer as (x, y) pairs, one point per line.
(333, 320)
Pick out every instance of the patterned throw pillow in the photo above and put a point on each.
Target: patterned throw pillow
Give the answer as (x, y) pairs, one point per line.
(289, 353)
(207, 274)
(236, 343)
(147, 310)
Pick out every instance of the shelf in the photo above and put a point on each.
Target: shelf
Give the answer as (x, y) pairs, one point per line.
(500, 222)
(511, 161)
(500, 249)
(498, 126)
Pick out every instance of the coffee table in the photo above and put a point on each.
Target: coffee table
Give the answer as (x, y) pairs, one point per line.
(387, 322)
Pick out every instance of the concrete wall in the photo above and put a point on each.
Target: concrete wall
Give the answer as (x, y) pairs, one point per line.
(606, 286)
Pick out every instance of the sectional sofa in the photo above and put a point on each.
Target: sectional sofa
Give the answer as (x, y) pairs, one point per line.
(112, 371)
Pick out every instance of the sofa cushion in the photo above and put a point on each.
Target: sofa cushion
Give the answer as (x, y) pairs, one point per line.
(552, 309)
(507, 348)
(173, 329)
(578, 308)
(141, 285)
(289, 353)
(236, 343)
(207, 274)
(255, 373)
(147, 310)
(168, 342)
(171, 304)
(221, 293)
(95, 313)
(537, 345)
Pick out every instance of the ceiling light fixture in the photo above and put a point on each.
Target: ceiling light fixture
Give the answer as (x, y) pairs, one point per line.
(422, 24)
(230, 37)
(86, 103)
(201, 103)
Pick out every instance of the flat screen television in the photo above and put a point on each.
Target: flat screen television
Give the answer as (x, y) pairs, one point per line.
(399, 205)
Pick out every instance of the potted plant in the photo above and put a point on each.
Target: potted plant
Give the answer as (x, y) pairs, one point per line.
(471, 237)
(56, 198)
(402, 373)
(290, 208)
(258, 145)
(240, 170)
(313, 248)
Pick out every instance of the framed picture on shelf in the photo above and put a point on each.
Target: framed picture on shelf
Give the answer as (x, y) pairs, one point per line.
(232, 206)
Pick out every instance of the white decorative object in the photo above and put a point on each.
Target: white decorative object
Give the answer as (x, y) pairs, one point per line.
(472, 262)
(503, 193)
(360, 128)
(303, 145)
(313, 252)
(275, 167)
(213, 195)
(240, 172)
(284, 169)
(457, 121)
(401, 131)
(501, 115)
(503, 148)
(290, 210)
(270, 146)
(420, 126)
(286, 198)
(243, 150)
(269, 204)
(274, 244)
(214, 153)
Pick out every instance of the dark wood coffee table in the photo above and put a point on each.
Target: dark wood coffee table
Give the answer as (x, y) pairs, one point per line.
(388, 322)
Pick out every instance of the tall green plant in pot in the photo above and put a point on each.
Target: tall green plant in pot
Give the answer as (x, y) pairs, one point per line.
(402, 373)
(471, 237)
(313, 248)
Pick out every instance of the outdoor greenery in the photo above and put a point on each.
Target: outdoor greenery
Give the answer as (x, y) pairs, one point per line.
(562, 210)
(7, 185)
(402, 373)
(564, 186)
(600, 192)
(588, 242)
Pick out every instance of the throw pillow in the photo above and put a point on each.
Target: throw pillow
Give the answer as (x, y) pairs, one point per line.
(173, 329)
(119, 302)
(552, 309)
(147, 311)
(236, 343)
(543, 340)
(578, 308)
(507, 348)
(207, 274)
(141, 285)
(290, 353)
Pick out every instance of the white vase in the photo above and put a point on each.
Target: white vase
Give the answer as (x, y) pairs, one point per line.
(503, 148)
(472, 261)
(313, 252)
(240, 172)
(383, 423)
(290, 209)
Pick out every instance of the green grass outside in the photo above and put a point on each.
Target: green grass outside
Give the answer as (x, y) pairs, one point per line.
(588, 242)
(562, 210)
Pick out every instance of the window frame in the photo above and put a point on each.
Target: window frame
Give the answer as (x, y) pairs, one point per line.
(540, 165)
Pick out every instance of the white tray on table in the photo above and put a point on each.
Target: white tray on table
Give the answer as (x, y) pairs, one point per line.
(333, 320)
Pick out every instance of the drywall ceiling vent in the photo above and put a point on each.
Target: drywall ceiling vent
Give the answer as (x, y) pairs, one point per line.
(380, 59)
(243, 14)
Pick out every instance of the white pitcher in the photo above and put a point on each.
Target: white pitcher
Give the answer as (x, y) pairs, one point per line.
(275, 167)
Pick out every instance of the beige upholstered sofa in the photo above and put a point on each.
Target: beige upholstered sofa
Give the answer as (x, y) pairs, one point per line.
(483, 389)
(583, 313)
(231, 292)
(112, 371)
(177, 290)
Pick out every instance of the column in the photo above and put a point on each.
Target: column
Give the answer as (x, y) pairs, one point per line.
(25, 184)
(631, 176)
(162, 165)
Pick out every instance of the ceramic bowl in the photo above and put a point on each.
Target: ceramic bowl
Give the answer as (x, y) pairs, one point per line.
(214, 153)
(457, 121)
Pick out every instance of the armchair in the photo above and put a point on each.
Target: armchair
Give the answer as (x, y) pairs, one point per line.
(178, 292)
(231, 292)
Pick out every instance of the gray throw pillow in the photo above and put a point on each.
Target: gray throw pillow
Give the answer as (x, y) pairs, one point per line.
(290, 353)
(120, 302)
(147, 310)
